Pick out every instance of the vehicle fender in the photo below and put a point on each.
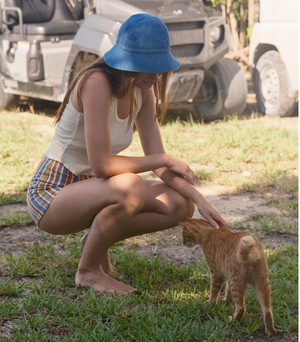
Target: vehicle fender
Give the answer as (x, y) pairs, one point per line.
(96, 35)
(278, 36)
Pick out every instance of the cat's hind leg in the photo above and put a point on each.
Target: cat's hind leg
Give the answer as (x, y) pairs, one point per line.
(238, 291)
(227, 291)
(216, 283)
(263, 292)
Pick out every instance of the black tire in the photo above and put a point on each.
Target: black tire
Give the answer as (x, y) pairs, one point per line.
(271, 86)
(223, 92)
(8, 101)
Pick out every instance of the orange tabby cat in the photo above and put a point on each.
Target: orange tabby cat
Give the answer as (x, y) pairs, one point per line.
(237, 258)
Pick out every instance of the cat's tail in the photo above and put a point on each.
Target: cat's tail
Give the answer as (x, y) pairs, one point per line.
(245, 247)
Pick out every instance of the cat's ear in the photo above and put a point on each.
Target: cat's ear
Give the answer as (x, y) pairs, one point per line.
(185, 225)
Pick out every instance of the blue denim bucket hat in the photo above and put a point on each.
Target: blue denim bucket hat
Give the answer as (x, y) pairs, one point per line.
(143, 45)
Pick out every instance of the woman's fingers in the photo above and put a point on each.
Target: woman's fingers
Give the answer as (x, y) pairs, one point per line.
(184, 172)
(218, 218)
(214, 218)
(189, 175)
(192, 174)
(213, 223)
(181, 168)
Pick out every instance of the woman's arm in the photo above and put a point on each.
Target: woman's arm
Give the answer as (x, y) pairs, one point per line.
(152, 145)
(96, 99)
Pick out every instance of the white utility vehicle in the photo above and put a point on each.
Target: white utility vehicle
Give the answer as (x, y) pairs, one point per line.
(274, 57)
(44, 43)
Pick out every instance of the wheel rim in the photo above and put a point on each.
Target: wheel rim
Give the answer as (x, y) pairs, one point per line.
(269, 86)
(208, 93)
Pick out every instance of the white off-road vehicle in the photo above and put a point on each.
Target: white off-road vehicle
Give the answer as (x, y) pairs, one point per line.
(273, 57)
(44, 43)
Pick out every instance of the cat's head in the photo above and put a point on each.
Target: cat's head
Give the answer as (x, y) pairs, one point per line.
(193, 231)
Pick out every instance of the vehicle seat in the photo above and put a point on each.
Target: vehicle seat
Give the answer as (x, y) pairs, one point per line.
(44, 18)
(33, 11)
(48, 29)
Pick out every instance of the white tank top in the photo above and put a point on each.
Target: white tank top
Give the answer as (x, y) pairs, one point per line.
(68, 145)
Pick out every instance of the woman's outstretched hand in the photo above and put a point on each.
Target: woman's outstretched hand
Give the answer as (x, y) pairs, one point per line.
(210, 213)
(204, 207)
(181, 168)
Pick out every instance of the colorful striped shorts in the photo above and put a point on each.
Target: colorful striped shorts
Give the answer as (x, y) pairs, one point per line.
(49, 177)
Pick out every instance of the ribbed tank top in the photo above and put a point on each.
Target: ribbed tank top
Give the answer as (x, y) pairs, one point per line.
(68, 144)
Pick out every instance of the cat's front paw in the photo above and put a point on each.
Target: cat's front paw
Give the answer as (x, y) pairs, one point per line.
(227, 299)
(212, 302)
(239, 313)
(271, 331)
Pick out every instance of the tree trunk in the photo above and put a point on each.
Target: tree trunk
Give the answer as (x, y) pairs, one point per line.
(223, 8)
(242, 25)
(233, 25)
(250, 13)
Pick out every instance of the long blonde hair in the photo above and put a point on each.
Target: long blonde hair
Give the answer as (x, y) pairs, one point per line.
(121, 83)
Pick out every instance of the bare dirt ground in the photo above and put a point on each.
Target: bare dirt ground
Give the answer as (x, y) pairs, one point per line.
(234, 207)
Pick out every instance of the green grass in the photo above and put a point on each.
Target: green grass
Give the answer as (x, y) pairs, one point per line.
(15, 219)
(289, 204)
(231, 147)
(19, 197)
(39, 300)
(170, 304)
(23, 140)
(272, 223)
(260, 224)
(226, 147)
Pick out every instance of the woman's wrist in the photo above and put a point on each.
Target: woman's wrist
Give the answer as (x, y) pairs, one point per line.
(198, 198)
(165, 160)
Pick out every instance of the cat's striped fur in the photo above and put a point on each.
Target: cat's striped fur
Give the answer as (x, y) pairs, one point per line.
(238, 259)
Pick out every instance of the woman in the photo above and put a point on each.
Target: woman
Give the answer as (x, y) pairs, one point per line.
(81, 182)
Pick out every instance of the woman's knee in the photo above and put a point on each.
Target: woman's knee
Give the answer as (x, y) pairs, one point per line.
(178, 207)
(131, 190)
(185, 209)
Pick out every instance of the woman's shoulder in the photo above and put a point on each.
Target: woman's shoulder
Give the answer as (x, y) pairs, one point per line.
(97, 78)
(97, 84)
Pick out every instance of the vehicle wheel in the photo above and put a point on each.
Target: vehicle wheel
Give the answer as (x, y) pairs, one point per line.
(223, 91)
(271, 86)
(8, 101)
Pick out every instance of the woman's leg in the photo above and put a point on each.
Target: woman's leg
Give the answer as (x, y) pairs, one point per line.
(105, 205)
(73, 210)
(163, 208)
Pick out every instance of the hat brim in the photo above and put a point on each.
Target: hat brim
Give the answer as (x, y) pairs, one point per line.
(120, 59)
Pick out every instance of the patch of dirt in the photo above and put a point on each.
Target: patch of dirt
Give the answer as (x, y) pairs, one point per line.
(13, 208)
(234, 207)
(293, 337)
(15, 239)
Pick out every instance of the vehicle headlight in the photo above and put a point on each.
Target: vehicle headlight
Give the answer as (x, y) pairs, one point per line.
(215, 33)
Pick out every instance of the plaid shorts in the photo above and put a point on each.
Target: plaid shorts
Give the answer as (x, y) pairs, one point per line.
(49, 177)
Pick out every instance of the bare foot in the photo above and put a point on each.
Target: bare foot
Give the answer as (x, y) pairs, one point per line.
(101, 282)
(106, 265)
